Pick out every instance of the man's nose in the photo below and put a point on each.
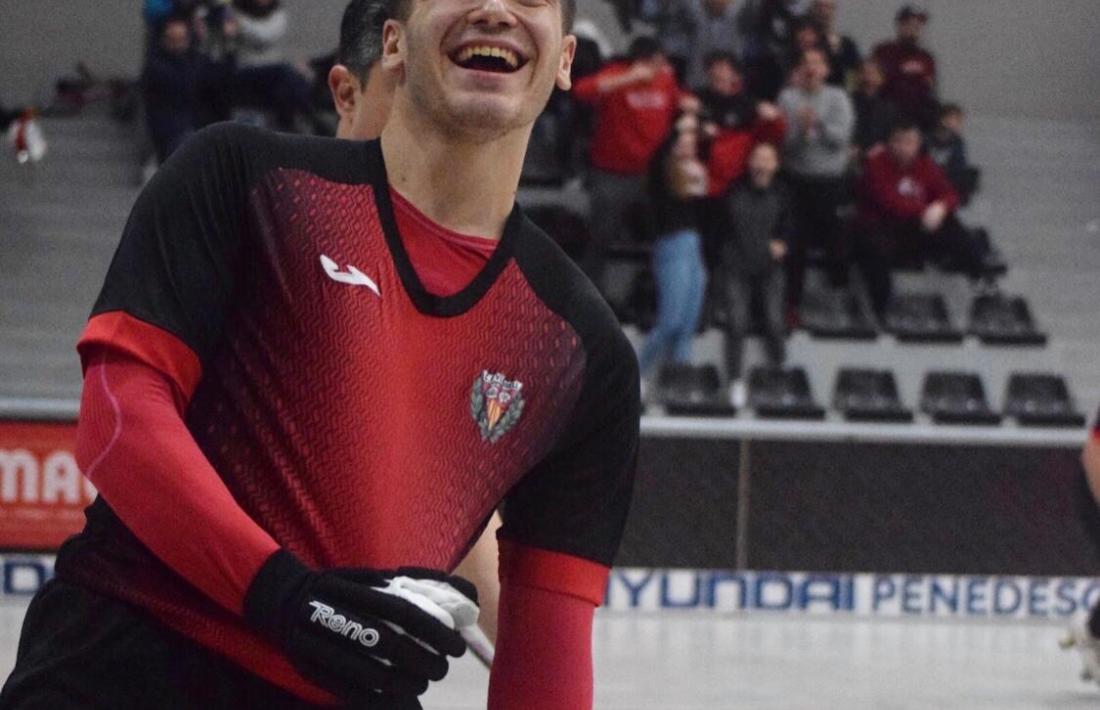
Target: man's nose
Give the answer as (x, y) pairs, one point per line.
(493, 13)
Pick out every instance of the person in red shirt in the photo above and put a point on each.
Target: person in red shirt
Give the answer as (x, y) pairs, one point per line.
(635, 102)
(316, 362)
(909, 68)
(907, 206)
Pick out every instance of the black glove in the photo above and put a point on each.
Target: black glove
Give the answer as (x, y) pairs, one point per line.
(338, 629)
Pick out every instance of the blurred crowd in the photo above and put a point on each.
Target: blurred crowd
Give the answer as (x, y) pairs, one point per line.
(744, 140)
(734, 145)
(207, 59)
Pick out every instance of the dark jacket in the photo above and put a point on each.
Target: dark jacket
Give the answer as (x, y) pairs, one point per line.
(670, 212)
(949, 152)
(757, 217)
(875, 116)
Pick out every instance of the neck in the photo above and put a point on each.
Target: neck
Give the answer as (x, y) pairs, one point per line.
(467, 186)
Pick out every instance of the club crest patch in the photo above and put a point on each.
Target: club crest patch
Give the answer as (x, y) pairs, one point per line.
(496, 404)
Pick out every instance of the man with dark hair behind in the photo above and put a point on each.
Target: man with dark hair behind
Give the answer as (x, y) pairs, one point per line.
(315, 362)
(361, 91)
(635, 102)
(907, 207)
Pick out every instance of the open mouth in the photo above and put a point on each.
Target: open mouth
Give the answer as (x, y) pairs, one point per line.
(488, 58)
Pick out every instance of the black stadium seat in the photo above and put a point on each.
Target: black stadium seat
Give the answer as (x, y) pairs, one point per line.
(956, 398)
(692, 390)
(869, 396)
(840, 318)
(782, 393)
(921, 318)
(1041, 399)
(1003, 320)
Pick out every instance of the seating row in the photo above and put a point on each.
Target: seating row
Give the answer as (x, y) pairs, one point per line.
(868, 395)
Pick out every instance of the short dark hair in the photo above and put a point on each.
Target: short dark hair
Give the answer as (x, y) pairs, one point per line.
(950, 109)
(644, 48)
(717, 57)
(361, 34)
(903, 124)
(174, 18)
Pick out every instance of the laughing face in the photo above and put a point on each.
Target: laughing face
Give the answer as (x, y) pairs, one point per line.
(480, 68)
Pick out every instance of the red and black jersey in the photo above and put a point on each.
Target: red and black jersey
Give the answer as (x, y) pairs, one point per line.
(359, 419)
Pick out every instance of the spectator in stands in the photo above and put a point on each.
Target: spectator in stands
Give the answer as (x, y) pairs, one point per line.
(677, 181)
(817, 148)
(767, 27)
(734, 123)
(170, 85)
(844, 56)
(202, 15)
(910, 70)
(907, 208)
(690, 30)
(947, 149)
(635, 102)
(264, 77)
(875, 114)
(752, 263)
(805, 35)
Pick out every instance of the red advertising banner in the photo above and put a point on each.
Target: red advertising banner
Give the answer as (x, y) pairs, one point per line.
(42, 492)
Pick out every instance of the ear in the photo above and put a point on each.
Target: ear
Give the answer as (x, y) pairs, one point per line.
(345, 88)
(393, 46)
(568, 51)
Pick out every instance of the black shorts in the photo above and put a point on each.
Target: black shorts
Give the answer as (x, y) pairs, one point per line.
(79, 649)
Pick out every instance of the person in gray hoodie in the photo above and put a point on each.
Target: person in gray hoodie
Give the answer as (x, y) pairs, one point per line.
(820, 121)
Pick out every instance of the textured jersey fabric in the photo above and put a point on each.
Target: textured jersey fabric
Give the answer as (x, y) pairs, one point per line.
(357, 417)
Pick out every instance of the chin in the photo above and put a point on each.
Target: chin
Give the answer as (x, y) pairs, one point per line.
(486, 116)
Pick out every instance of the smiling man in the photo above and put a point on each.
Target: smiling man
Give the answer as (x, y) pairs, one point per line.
(314, 362)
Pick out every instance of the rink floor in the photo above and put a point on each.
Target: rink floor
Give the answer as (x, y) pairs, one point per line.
(691, 661)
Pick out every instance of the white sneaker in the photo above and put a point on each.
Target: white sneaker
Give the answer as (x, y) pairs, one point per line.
(1088, 646)
(739, 394)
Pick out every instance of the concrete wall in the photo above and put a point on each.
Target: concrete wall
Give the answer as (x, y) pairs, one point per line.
(1038, 58)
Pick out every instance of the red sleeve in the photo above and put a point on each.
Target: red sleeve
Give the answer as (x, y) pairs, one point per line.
(587, 90)
(544, 638)
(133, 445)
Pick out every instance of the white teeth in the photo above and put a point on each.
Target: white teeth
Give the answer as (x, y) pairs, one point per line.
(485, 51)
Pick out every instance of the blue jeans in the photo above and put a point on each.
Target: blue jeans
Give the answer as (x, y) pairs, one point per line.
(681, 282)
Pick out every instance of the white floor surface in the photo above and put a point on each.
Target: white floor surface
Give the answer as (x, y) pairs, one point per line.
(689, 661)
